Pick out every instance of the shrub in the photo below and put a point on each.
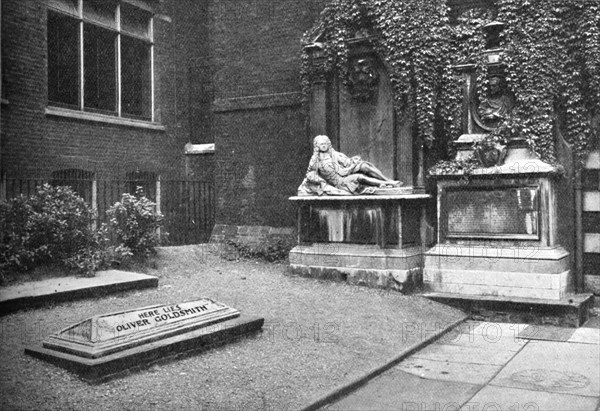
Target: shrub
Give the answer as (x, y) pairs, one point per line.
(272, 250)
(50, 226)
(135, 222)
(100, 253)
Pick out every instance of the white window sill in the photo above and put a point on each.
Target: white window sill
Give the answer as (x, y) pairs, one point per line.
(199, 148)
(102, 118)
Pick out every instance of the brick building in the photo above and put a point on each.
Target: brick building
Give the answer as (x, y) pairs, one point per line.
(137, 91)
(101, 95)
(97, 91)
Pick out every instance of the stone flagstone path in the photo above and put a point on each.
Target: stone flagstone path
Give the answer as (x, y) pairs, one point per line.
(490, 366)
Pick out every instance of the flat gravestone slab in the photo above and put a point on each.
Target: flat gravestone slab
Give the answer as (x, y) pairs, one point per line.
(59, 289)
(106, 344)
(105, 334)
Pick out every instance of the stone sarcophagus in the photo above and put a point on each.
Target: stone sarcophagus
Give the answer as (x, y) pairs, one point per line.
(361, 219)
(498, 232)
(372, 240)
(499, 224)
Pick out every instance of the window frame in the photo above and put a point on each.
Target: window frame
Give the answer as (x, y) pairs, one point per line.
(58, 108)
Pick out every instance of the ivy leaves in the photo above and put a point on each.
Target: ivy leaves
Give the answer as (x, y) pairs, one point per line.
(552, 57)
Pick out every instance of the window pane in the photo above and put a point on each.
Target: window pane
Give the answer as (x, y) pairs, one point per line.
(66, 6)
(63, 58)
(99, 66)
(101, 12)
(135, 21)
(135, 77)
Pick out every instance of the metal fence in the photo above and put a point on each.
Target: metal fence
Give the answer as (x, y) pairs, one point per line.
(187, 205)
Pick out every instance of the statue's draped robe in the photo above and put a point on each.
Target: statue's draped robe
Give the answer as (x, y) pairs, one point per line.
(336, 174)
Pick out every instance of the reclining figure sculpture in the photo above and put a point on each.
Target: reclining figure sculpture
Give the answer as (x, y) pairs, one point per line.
(333, 173)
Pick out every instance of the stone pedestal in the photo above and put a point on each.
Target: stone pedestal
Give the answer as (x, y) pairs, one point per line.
(498, 232)
(372, 240)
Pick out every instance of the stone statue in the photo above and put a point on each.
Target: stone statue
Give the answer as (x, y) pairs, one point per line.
(497, 106)
(333, 173)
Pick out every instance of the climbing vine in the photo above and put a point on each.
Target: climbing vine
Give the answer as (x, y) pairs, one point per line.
(552, 64)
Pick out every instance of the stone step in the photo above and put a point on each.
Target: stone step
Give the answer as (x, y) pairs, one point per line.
(571, 311)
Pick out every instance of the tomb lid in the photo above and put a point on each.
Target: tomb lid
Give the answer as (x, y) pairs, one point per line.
(105, 334)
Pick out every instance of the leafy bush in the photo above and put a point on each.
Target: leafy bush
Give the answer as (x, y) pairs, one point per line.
(135, 222)
(50, 226)
(54, 227)
(272, 250)
(100, 254)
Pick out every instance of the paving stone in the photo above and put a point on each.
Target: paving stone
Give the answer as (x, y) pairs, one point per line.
(547, 333)
(502, 398)
(479, 340)
(450, 371)
(356, 403)
(461, 354)
(586, 336)
(493, 329)
(398, 390)
(554, 367)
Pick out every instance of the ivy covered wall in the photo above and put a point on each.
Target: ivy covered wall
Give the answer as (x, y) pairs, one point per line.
(552, 53)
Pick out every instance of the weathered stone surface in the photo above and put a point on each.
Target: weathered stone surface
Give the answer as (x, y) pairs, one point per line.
(536, 272)
(551, 366)
(53, 290)
(371, 266)
(482, 212)
(504, 398)
(450, 371)
(104, 334)
(104, 345)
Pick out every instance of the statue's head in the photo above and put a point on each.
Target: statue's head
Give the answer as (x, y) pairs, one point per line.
(321, 143)
(496, 85)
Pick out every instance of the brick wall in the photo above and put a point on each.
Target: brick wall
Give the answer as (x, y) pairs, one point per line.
(34, 144)
(262, 146)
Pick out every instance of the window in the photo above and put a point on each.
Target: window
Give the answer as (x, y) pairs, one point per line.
(80, 181)
(100, 57)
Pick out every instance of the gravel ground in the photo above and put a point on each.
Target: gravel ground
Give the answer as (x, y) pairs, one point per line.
(317, 335)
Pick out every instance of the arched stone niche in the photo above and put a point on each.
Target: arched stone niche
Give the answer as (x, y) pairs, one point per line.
(359, 117)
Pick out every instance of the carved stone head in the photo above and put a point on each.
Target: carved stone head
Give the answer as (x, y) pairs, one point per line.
(364, 78)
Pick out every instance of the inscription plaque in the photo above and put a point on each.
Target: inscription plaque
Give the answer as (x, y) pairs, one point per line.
(497, 212)
(104, 334)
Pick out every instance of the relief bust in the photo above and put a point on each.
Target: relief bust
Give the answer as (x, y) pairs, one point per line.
(497, 106)
(363, 79)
